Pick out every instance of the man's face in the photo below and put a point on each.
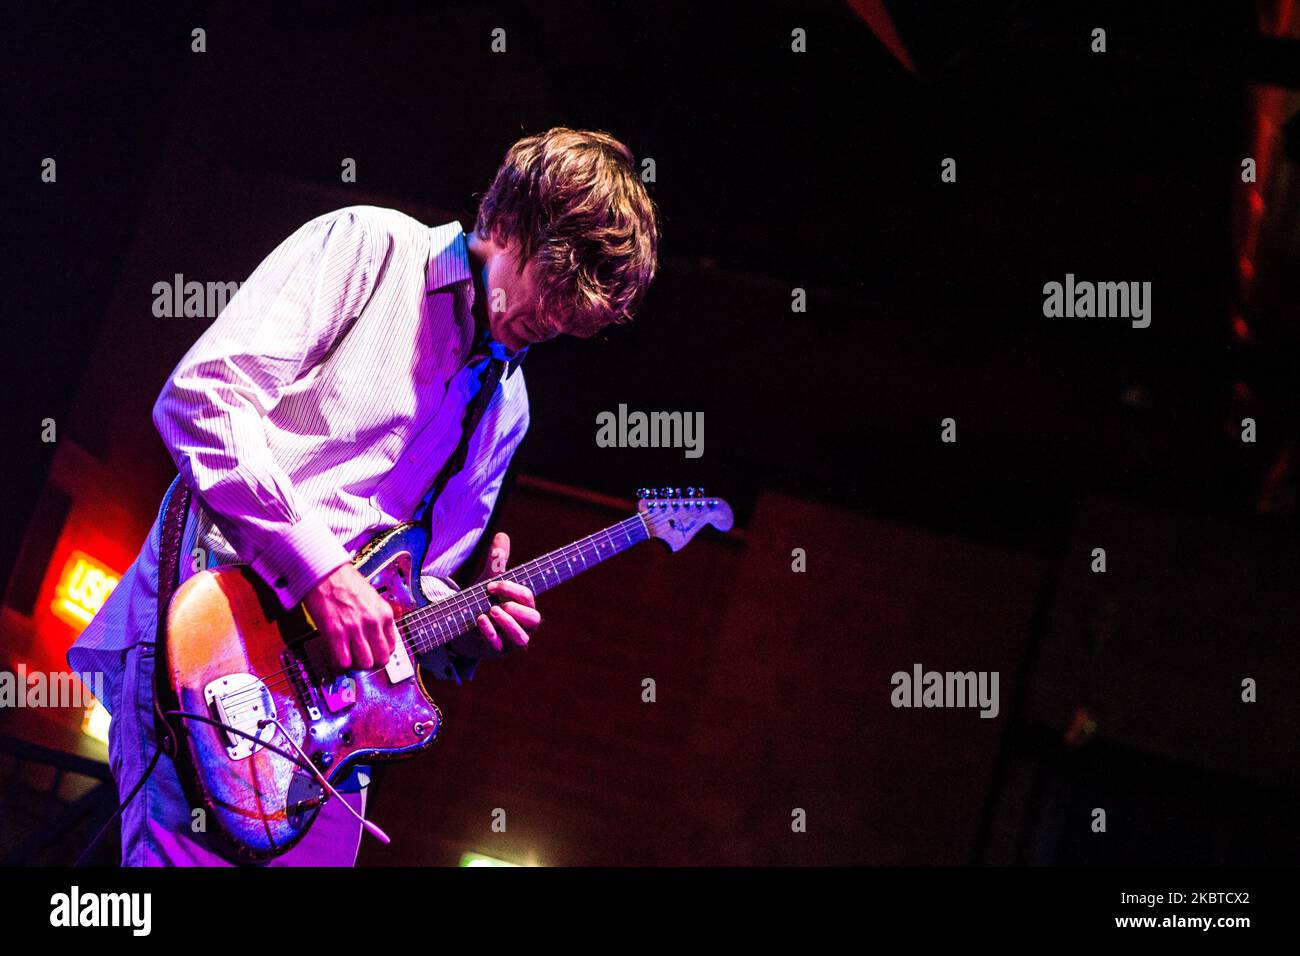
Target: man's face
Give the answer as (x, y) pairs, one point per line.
(512, 301)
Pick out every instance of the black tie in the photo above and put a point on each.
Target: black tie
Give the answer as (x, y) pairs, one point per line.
(473, 412)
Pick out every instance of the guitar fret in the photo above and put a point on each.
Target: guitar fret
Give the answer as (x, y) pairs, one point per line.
(437, 624)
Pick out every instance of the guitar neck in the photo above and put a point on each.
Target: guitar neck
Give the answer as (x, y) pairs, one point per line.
(437, 624)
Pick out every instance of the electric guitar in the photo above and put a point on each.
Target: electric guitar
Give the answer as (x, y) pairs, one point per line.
(264, 724)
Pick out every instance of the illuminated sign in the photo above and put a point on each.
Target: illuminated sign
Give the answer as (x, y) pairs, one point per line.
(83, 587)
(482, 859)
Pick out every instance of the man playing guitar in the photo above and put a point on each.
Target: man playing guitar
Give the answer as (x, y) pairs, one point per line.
(321, 404)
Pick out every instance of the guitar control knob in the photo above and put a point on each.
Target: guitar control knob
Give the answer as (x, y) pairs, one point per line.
(324, 758)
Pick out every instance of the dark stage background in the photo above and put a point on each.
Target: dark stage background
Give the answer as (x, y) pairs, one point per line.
(775, 170)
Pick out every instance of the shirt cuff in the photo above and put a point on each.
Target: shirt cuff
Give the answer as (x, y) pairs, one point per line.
(298, 558)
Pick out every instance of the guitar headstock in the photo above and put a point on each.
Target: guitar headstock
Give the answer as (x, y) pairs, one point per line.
(674, 518)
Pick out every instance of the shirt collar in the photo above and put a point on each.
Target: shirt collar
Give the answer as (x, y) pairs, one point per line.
(448, 265)
(448, 256)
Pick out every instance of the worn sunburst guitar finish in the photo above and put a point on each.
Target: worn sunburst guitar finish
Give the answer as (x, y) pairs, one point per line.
(242, 673)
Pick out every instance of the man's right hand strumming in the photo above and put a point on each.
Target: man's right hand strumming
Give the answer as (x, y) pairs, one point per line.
(357, 624)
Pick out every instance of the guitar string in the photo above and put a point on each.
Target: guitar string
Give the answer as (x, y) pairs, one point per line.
(406, 625)
(240, 702)
(454, 605)
(461, 601)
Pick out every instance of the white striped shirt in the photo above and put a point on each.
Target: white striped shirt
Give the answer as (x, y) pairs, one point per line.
(318, 408)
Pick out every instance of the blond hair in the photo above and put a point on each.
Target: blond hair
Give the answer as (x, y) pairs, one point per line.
(573, 202)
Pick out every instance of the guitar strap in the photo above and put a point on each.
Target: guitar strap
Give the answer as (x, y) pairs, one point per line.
(175, 508)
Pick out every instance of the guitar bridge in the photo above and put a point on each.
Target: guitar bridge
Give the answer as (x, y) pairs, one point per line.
(303, 685)
(242, 702)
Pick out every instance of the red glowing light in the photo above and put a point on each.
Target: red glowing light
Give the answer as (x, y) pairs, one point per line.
(83, 587)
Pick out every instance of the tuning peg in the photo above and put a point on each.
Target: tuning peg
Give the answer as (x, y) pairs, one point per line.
(643, 493)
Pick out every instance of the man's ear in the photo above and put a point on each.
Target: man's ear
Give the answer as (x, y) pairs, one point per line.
(509, 246)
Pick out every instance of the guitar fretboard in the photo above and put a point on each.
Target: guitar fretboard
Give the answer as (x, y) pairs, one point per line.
(436, 624)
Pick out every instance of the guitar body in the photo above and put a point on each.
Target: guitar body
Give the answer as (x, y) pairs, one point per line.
(233, 654)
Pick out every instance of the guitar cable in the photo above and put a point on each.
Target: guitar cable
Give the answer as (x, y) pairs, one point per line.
(373, 829)
(303, 764)
(169, 746)
(121, 807)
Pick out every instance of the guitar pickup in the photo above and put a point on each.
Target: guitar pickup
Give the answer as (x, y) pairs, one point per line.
(399, 666)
